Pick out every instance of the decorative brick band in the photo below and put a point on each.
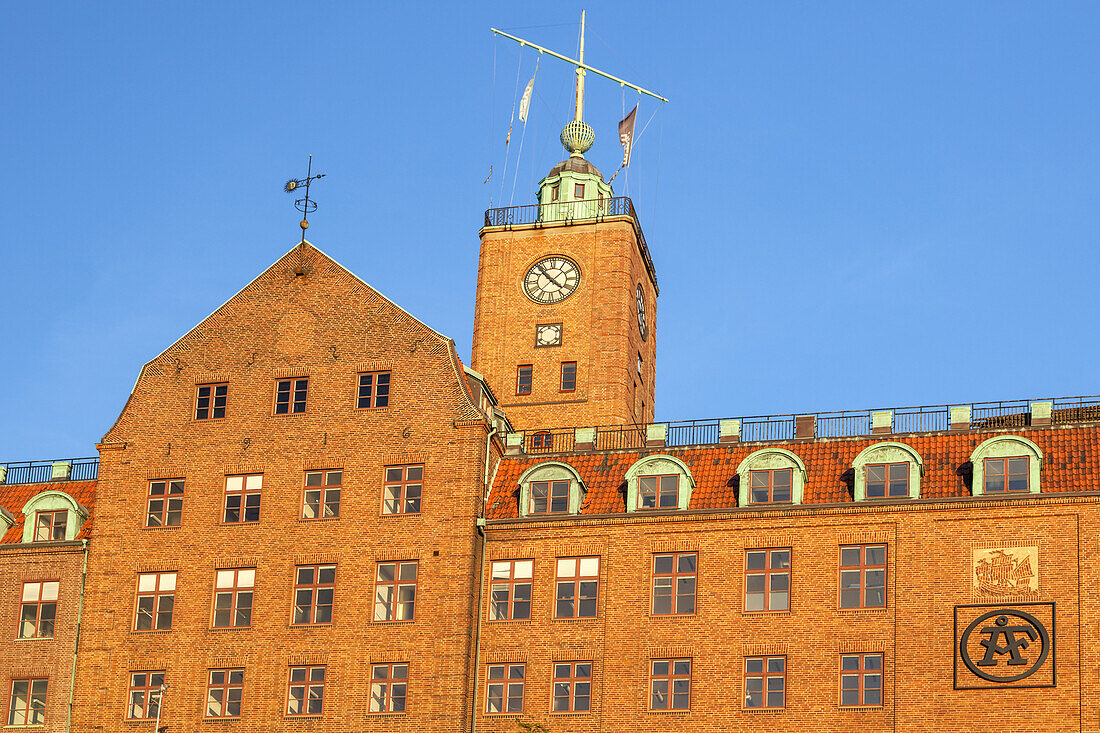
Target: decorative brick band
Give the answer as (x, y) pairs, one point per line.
(211, 377)
(165, 470)
(669, 651)
(392, 554)
(233, 469)
(763, 650)
(315, 464)
(374, 366)
(403, 458)
(863, 537)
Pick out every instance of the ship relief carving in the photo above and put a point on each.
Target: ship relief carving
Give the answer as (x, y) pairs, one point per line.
(1006, 572)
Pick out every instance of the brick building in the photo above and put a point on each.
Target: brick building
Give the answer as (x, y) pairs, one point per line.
(311, 515)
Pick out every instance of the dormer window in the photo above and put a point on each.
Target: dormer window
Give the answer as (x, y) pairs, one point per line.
(887, 480)
(659, 492)
(1006, 464)
(771, 476)
(550, 487)
(771, 485)
(549, 497)
(52, 516)
(1006, 474)
(887, 470)
(50, 525)
(658, 482)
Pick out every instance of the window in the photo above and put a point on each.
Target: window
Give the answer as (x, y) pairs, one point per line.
(314, 586)
(322, 494)
(542, 441)
(395, 591)
(523, 379)
(578, 191)
(768, 580)
(554, 193)
(156, 597)
(670, 684)
(1006, 474)
(28, 702)
(306, 694)
(404, 485)
(388, 685)
(233, 597)
(765, 682)
(242, 498)
(224, 690)
(549, 497)
(674, 583)
(572, 687)
(374, 390)
(210, 401)
(290, 395)
(771, 485)
(863, 576)
(165, 506)
(50, 525)
(504, 692)
(568, 376)
(145, 692)
(887, 480)
(578, 587)
(510, 590)
(658, 492)
(861, 679)
(39, 609)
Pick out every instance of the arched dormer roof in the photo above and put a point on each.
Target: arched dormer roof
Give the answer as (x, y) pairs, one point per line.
(54, 501)
(770, 459)
(1005, 448)
(551, 473)
(887, 452)
(658, 465)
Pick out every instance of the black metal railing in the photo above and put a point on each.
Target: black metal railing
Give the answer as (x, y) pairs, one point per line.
(849, 423)
(41, 472)
(569, 212)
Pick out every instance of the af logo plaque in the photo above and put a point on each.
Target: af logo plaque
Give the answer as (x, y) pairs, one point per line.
(1009, 645)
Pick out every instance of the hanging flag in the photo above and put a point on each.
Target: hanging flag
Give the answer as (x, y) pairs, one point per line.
(626, 134)
(525, 102)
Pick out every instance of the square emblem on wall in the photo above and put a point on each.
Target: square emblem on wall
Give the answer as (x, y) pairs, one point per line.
(1006, 572)
(548, 334)
(1005, 645)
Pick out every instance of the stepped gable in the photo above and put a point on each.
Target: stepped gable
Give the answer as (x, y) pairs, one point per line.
(13, 497)
(1074, 453)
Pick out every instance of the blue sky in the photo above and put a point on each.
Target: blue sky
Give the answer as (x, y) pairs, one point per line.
(850, 205)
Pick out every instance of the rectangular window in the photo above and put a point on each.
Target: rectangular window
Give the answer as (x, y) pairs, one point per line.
(765, 682)
(554, 193)
(50, 525)
(38, 610)
(504, 691)
(374, 390)
(233, 597)
(578, 587)
(306, 694)
(28, 702)
(658, 492)
(549, 497)
(1006, 474)
(768, 580)
(145, 692)
(510, 590)
(242, 498)
(401, 494)
(290, 395)
(670, 684)
(388, 687)
(224, 691)
(314, 586)
(210, 401)
(156, 598)
(395, 591)
(572, 687)
(674, 583)
(322, 494)
(523, 379)
(861, 679)
(863, 576)
(887, 480)
(772, 485)
(578, 191)
(568, 376)
(165, 505)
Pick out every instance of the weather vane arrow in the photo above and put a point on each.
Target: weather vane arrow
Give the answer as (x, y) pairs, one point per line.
(304, 205)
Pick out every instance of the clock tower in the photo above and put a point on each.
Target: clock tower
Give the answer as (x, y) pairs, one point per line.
(565, 320)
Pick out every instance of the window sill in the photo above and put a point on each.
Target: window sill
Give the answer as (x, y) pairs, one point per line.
(32, 726)
(674, 616)
(859, 708)
(237, 524)
(30, 638)
(222, 719)
(310, 626)
(308, 716)
(400, 514)
(389, 713)
(874, 609)
(669, 712)
(150, 632)
(316, 519)
(517, 621)
(163, 526)
(391, 622)
(575, 618)
(230, 628)
(773, 711)
(786, 612)
(502, 715)
(571, 713)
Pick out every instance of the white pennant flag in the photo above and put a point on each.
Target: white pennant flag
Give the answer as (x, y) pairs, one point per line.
(525, 102)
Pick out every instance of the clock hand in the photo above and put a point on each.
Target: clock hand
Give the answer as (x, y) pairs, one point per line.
(548, 275)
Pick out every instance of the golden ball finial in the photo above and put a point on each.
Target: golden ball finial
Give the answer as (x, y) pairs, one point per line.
(304, 225)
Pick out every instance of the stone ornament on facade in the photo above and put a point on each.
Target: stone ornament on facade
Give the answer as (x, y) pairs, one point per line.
(1006, 571)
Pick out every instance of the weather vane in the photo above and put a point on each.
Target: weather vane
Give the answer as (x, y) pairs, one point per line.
(304, 205)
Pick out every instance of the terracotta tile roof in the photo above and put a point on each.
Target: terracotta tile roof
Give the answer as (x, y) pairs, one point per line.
(13, 497)
(1071, 462)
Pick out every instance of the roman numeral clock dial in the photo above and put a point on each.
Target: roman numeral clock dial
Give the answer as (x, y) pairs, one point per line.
(552, 280)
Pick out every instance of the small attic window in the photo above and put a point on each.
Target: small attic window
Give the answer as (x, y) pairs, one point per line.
(52, 516)
(550, 487)
(578, 192)
(658, 482)
(554, 193)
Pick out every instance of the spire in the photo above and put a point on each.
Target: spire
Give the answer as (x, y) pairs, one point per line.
(577, 136)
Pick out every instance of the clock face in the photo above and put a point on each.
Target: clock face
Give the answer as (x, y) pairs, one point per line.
(548, 335)
(641, 313)
(552, 280)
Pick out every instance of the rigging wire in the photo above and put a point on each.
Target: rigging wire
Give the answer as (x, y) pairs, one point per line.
(508, 140)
